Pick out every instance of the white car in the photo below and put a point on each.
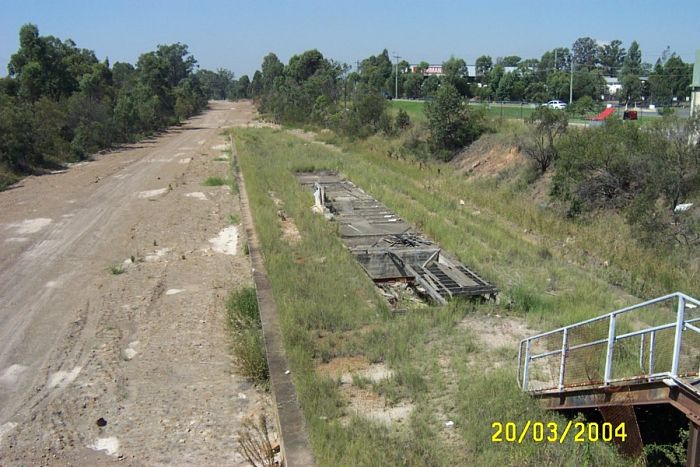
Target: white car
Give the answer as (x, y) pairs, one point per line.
(556, 104)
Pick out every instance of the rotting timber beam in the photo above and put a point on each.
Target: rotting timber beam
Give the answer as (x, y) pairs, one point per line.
(294, 441)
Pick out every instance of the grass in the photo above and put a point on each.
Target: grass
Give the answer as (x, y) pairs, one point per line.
(234, 219)
(216, 181)
(329, 308)
(243, 318)
(221, 181)
(415, 109)
(116, 269)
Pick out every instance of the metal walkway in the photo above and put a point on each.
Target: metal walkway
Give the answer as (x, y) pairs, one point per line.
(387, 247)
(643, 354)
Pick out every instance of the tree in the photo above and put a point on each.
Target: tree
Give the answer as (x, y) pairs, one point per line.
(546, 126)
(679, 76)
(452, 123)
(240, 89)
(557, 59)
(430, 86)
(510, 60)
(611, 57)
(629, 75)
(412, 85)
(456, 73)
(376, 70)
(483, 67)
(256, 85)
(558, 84)
(588, 83)
(271, 68)
(304, 66)
(585, 52)
(178, 64)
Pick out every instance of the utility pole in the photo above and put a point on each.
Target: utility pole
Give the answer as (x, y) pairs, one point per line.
(571, 82)
(396, 84)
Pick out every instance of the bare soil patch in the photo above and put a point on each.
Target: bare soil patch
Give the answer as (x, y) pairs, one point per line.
(362, 400)
(290, 232)
(486, 158)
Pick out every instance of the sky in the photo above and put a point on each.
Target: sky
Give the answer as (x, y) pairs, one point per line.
(237, 34)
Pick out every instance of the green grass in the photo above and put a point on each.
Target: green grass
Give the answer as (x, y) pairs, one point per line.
(234, 219)
(221, 181)
(329, 308)
(415, 109)
(215, 181)
(243, 318)
(116, 269)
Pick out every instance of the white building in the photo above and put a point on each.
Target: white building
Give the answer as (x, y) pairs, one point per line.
(612, 84)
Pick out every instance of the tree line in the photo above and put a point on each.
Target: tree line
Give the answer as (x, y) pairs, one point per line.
(539, 80)
(59, 103)
(644, 172)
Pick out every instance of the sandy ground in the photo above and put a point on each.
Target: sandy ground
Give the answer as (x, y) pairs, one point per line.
(133, 368)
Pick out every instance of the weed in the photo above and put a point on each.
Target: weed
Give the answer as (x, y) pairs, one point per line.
(254, 442)
(248, 345)
(215, 181)
(234, 219)
(116, 269)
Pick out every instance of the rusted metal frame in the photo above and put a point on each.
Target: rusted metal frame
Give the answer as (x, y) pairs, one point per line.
(693, 453)
(655, 392)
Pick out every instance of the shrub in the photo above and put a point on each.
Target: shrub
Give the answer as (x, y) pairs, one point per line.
(452, 123)
(546, 126)
(402, 120)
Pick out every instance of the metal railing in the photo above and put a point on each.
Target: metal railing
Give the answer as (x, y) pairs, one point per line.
(650, 341)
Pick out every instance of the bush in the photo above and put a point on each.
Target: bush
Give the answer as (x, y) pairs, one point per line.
(585, 106)
(643, 171)
(452, 123)
(402, 120)
(546, 126)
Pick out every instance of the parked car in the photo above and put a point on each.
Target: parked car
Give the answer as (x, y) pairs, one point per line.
(556, 104)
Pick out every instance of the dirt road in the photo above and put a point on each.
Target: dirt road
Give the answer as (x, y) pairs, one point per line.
(98, 366)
